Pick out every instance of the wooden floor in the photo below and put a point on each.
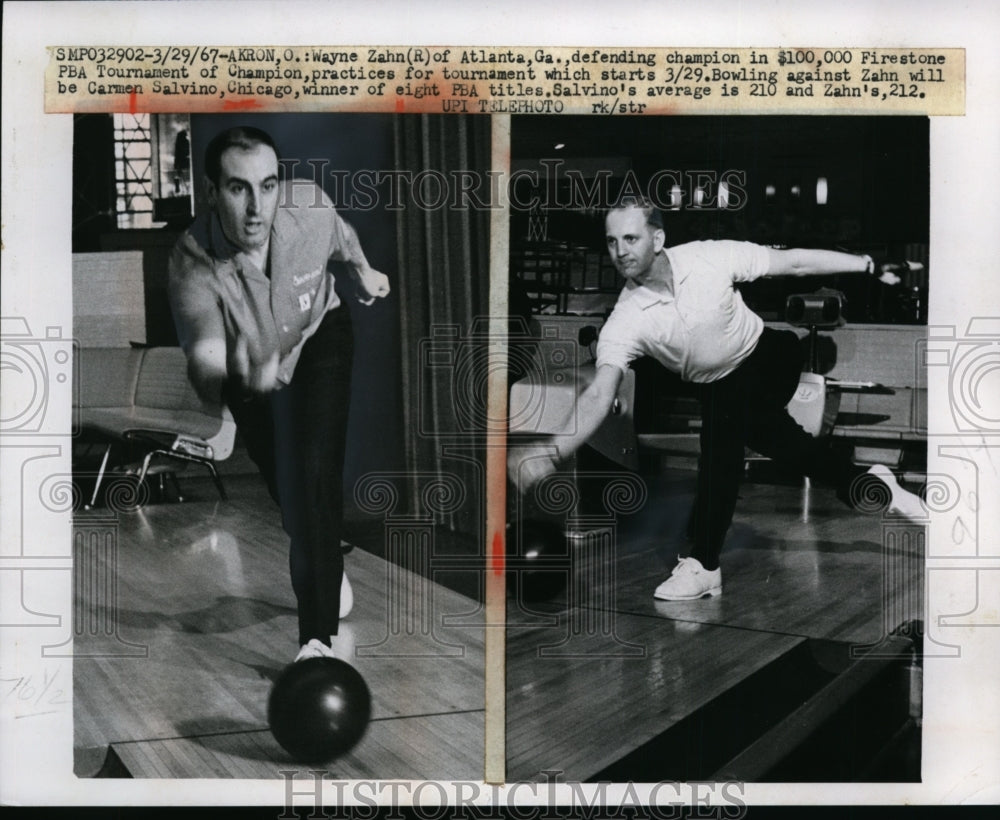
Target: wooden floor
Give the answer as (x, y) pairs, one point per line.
(204, 620)
(191, 618)
(605, 669)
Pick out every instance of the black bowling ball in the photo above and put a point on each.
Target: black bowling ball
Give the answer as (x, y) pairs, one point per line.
(318, 709)
(537, 560)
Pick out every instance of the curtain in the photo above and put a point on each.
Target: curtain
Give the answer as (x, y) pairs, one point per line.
(443, 288)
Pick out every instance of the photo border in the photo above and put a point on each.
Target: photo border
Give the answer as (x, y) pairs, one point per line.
(961, 749)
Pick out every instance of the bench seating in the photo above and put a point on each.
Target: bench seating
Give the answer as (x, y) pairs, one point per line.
(142, 397)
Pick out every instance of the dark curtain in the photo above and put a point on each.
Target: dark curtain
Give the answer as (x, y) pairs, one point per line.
(443, 290)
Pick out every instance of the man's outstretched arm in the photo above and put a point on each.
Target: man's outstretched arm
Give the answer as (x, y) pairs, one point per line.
(528, 465)
(816, 261)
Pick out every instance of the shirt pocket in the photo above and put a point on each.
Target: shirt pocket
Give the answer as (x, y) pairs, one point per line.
(299, 309)
(303, 299)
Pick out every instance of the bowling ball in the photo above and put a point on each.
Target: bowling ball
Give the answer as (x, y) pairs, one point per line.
(318, 709)
(537, 559)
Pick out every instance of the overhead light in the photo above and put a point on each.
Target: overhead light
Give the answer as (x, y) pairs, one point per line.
(676, 195)
(769, 191)
(821, 191)
(559, 146)
(724, 193)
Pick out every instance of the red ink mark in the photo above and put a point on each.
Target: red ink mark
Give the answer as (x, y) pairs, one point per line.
(240, 105)
(133, 102)
(400, 105)
(497, 558)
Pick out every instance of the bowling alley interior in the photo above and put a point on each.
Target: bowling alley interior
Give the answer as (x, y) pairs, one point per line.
(807, 667)
(184, 612)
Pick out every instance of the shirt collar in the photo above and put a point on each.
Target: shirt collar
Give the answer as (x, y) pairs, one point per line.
(645, 297)
(208, 232)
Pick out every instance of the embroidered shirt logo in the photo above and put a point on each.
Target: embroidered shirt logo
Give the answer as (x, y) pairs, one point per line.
(305, 301)
(301, 279)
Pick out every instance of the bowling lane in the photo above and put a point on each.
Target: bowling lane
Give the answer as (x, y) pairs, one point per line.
(205, 620)
(578, 702)
(796, 561)
(397, 748)
(604, 668)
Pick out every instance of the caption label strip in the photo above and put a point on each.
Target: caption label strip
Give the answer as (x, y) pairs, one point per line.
(460, 80)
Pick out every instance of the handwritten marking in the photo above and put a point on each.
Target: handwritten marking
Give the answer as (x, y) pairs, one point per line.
(497, 556)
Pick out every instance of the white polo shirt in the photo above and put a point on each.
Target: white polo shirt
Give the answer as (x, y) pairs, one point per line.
(704, 330)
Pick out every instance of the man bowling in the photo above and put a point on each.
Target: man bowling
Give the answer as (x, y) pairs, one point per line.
(264, 331)
(680, 306)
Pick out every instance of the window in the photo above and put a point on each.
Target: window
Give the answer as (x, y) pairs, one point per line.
(152, 168)
(133, 171)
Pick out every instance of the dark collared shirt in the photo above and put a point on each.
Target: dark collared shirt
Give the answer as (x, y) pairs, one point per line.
(217, 293)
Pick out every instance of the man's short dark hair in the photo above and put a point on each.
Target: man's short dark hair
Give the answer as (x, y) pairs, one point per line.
(242, 136)
(649, 210)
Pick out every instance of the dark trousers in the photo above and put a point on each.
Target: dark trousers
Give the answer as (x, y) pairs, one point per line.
(747, 409)
(296, 436)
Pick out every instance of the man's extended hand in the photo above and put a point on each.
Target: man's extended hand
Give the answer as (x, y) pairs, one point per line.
(254, 376)
(889, 272)
(372, 285)
(529, 464)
